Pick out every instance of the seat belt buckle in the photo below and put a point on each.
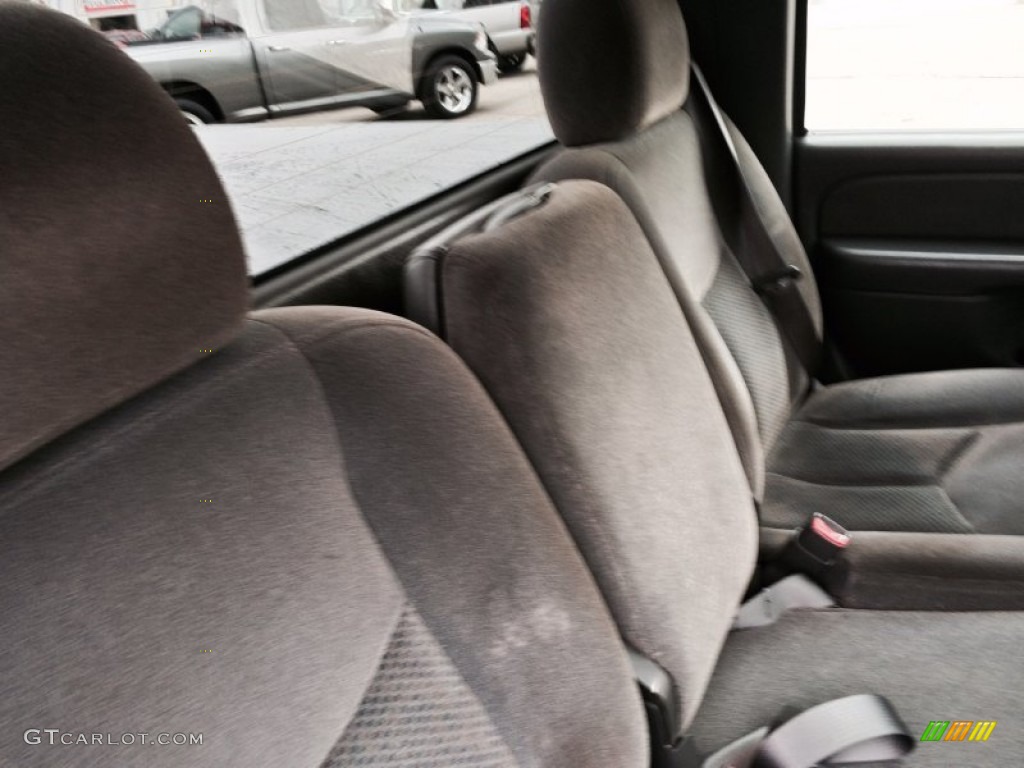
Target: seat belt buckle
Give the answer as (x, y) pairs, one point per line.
(775, 281)
(817, 547)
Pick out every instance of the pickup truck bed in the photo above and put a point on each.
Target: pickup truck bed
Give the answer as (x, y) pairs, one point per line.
(509, 25)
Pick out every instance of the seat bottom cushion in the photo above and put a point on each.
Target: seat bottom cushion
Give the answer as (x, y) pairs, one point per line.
(932, 666)
(936, 452)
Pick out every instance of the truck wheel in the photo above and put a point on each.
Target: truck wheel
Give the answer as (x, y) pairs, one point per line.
(195, 114)
(449, 88)
(511, 63)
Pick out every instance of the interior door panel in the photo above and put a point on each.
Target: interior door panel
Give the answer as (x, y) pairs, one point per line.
(918, 245)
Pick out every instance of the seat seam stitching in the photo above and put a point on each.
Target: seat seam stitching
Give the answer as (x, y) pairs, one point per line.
(349, 328)
(136, 426)
(957, 455)
(875, 570)
(336, 439)
(389, 638)
(835, 427)
(956, 510)
(927, 483)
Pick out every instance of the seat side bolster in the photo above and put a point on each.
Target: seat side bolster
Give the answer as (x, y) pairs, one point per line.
(422, 288)
(470, 532)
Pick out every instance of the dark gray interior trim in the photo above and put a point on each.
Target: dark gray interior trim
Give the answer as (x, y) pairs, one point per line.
(423, 284)
(825, 160)
(926, 267)
(751, 68)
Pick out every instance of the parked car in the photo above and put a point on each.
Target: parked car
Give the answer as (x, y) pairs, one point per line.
(252, 59)
(509, 25)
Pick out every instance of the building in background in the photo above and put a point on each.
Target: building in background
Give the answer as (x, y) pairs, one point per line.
(107, 15)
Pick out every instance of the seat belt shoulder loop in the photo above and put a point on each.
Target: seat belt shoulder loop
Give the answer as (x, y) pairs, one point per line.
(770, 273)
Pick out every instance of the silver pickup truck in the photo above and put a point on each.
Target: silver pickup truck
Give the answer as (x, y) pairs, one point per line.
(509, 24)
(243, 60)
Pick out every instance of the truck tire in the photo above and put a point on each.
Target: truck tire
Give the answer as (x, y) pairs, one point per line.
(449, 88)
(511, 63)
(195, 113)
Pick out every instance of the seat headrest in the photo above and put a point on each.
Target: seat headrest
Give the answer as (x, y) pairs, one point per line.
(114, 271)
(610, 68)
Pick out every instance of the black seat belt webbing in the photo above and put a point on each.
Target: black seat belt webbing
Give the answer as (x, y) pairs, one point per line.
(770, 274)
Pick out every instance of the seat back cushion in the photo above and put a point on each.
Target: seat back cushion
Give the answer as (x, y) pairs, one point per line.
(569, 322)
(203, 559)
(192, 562)
(688, 212)
(475, 541)
(659, 174)
(80, 269)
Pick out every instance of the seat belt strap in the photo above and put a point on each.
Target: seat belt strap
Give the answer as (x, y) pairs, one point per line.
(864, 728)
(770, 274)
(791, 593)
(857, 729)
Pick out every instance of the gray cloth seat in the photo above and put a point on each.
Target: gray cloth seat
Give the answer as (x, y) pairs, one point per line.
(374, 585)
(932, 666)
(306, 536)
(560, 306)
(946, 463)
(938, 452)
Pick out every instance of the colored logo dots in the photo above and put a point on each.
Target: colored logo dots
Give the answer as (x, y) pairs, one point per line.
(206, 651)
(206, 350)
(206, 501)
(205, 200)
(958, 730)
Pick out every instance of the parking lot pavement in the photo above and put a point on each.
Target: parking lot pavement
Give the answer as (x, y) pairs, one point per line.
(297, 183)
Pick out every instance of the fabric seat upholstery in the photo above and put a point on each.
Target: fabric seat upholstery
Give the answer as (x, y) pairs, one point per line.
(567, 318)
(906, 473)
(362, 605)
(934, 452)
(306, 535)
(932, 666)
(594, 417)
